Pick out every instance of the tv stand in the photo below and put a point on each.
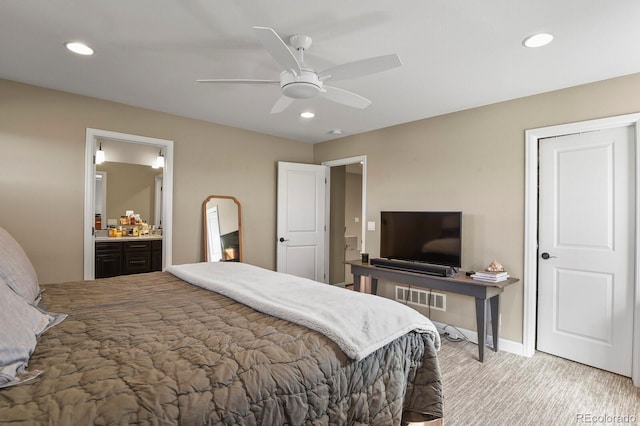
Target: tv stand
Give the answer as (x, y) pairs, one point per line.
(486, 294)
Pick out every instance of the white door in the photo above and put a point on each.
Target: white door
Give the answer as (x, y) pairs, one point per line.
(301, 227)
(586, 248)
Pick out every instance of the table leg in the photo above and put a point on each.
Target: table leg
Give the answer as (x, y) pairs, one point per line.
(495, 319)
(374, 285)
(356, 282)
(481, 322)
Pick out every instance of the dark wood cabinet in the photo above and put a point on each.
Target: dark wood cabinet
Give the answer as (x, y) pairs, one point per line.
(108, 260)
(127, 257)
(156, 255)
(137, 257)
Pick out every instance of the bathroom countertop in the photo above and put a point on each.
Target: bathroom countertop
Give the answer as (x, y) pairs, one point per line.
(116, 239)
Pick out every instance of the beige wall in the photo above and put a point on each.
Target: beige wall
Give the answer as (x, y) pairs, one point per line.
(473, 161)
(42, 143)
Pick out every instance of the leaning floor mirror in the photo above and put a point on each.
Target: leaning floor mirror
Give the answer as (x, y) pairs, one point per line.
(222, 240)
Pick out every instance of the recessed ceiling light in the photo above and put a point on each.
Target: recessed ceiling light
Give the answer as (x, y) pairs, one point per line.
(537, 40)
(307, 114)
(336, 132)
(79, 48)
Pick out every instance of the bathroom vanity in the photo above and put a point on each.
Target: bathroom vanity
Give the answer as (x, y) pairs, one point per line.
(127, 255)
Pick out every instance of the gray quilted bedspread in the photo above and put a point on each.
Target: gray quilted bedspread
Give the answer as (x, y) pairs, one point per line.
(152, 349)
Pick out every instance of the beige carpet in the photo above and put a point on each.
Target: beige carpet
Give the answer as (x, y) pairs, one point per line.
(509, 389)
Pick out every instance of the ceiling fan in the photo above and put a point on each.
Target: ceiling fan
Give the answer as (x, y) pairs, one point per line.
(299, 81)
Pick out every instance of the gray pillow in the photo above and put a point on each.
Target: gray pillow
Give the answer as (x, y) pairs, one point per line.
(16, 270)
(21, 323)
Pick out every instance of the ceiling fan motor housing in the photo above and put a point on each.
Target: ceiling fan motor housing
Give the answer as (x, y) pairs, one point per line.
(303, 86)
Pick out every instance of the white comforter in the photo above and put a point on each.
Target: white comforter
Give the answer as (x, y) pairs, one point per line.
(358, 323)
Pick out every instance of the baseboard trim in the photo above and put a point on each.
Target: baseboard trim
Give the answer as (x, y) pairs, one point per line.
(504, 344)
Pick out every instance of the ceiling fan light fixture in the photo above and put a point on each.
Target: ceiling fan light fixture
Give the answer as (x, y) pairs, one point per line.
(307, 114)
(79, 48)
(299, 81)
(300, 90)
(303, 86)
(537, 40)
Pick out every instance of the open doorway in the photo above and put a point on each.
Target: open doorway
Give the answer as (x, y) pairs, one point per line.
(165, 147)
(347, 213)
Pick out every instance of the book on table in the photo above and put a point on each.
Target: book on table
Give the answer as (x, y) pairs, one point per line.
(490, 276)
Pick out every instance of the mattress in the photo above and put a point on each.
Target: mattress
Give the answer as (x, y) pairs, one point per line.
(153, 349)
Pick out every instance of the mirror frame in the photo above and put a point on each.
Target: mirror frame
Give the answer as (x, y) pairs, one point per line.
(204, 224)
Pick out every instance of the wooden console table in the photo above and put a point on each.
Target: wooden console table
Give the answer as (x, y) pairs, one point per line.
(485, 293)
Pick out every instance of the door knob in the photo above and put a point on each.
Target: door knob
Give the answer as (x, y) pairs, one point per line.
(546, 256)
(282, 240)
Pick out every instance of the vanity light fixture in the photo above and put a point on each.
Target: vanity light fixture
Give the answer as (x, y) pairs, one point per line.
(100, 157)
(79, 48)
(159, 161)
(307, 114)
(537, 40)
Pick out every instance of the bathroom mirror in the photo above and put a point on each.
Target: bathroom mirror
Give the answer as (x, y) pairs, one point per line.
(222, 240)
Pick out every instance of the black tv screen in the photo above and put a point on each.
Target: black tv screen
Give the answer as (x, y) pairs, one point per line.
(428, 236)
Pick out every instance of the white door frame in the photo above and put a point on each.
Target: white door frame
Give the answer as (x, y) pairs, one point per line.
(531, 225)
(362, 159)
(89, 193)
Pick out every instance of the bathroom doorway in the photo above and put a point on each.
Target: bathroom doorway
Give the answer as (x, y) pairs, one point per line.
(164, 147)
(347, 205)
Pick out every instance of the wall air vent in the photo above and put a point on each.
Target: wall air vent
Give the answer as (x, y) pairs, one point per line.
(420, 297)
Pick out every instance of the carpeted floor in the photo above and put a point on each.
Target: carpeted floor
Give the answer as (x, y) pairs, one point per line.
(510, 390)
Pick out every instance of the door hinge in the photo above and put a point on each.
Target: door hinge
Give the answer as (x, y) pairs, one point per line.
(94, 159)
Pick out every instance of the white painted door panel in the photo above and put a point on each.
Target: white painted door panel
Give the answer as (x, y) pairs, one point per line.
(301, 220)
(586, 226)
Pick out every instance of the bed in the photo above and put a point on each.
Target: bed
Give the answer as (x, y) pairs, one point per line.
(155, 349)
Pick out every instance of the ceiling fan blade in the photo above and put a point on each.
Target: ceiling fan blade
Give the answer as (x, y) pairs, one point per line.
(238, 81)
(281, 104)
(344, 97)
(278, 49)
(361, 68)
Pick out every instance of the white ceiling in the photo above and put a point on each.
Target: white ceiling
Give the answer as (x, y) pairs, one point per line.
(456, 54)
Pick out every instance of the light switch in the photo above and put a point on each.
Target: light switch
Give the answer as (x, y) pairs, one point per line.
(357, 220)
(371, 226)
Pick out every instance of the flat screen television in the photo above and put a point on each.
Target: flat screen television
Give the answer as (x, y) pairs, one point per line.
(428, 236)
